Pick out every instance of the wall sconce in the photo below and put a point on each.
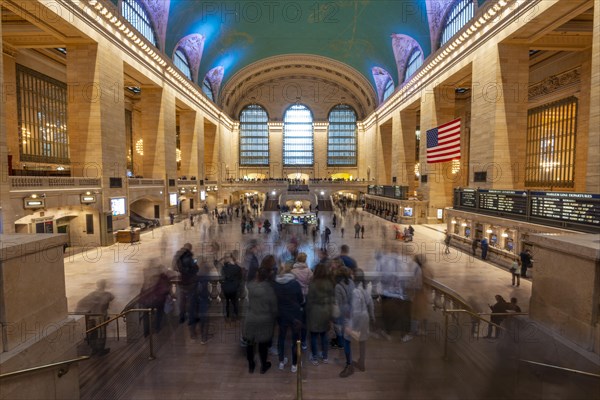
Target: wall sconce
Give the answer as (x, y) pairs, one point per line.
(453, 222)
(463, 224)
(488, 230)
(87, 198)
(504, 235)
(34, 202)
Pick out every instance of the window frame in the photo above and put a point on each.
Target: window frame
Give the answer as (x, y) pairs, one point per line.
(455, 17)
(411, 61)
(242, 136)
(181, 56)
(42, 106)
(353, 159)
(137, 9)
(286, 136)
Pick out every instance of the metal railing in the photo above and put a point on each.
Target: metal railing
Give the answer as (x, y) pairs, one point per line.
(149, 311)
(575, 371)
(61, 372)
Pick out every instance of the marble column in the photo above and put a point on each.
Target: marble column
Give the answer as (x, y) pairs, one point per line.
(321, 167)
(499, 116)
(593, 164)
(437, 108)
(404, 127)
(6, 224)
(276, 149)
(159, 131)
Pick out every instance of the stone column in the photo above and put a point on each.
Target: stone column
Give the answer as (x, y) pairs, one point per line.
(321, 167)
(383, 154)
(437, 108)
(276, 149)
(404, 127)
(96, 123)
(593, 164)
(158, 127)
(188, 143)
(499, 116)
(6, 224)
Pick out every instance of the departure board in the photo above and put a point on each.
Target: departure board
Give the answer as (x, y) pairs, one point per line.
(503, 201)
(468, 198)
(581, 208)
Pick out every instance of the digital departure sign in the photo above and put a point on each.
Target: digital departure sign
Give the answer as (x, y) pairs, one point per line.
(579, 211)
(504, 201)
(582, 208)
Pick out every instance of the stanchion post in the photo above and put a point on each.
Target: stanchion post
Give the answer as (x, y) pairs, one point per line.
(299, 371)
(150, 312)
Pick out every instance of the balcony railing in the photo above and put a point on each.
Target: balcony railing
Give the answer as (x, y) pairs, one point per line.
(146, 182)
(45, 182)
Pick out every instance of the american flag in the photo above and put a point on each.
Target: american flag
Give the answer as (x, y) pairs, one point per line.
(443, 142)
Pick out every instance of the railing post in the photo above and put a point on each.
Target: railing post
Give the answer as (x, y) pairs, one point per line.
(445, 335)
(118, 335)
(150, 312)
(299, 371)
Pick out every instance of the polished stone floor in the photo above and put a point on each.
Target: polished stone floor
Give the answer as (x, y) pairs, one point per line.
(122, 265)
(185, 369)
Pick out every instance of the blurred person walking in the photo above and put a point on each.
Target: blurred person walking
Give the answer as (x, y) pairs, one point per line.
(289, 303)
(231, 275)
(96, 305)
(186, 265)
(363, 312)
(343, 297)
(261, 315)
(319, 306)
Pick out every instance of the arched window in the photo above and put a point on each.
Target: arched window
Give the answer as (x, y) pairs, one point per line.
(341, 138)
(182, 63)
(254, 136)
(298, 136)
(137, 16)
(460, 13)
(389, 89)
(414, 63)
(207, 89)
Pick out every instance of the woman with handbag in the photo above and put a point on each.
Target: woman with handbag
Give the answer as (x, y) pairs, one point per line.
(319, 304)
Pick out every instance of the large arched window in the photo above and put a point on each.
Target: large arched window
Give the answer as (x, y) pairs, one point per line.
(460, 13)
(298, 136)
(254, 136)
(137, 16)
(181, 62)
(389, 89)
(207, 89)
(341, 138)
(414, 63)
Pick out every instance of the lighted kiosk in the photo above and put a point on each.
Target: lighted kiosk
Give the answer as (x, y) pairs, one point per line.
(297, 216)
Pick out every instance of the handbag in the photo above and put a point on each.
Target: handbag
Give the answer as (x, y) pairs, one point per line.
(353, 333)
(335, 310)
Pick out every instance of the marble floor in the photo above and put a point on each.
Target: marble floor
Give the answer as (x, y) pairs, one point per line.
(122, 265)
(186, 369)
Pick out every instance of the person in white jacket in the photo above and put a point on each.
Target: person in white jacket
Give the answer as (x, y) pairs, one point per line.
(303, 275)
(363, 313)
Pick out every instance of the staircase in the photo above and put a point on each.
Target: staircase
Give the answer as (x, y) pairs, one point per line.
(325, 205)
(271, 205)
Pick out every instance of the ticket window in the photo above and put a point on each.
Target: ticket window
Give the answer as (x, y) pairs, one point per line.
(456, 229)
(468, 232)
(44, 227)
(493, 239)
(509, 244)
